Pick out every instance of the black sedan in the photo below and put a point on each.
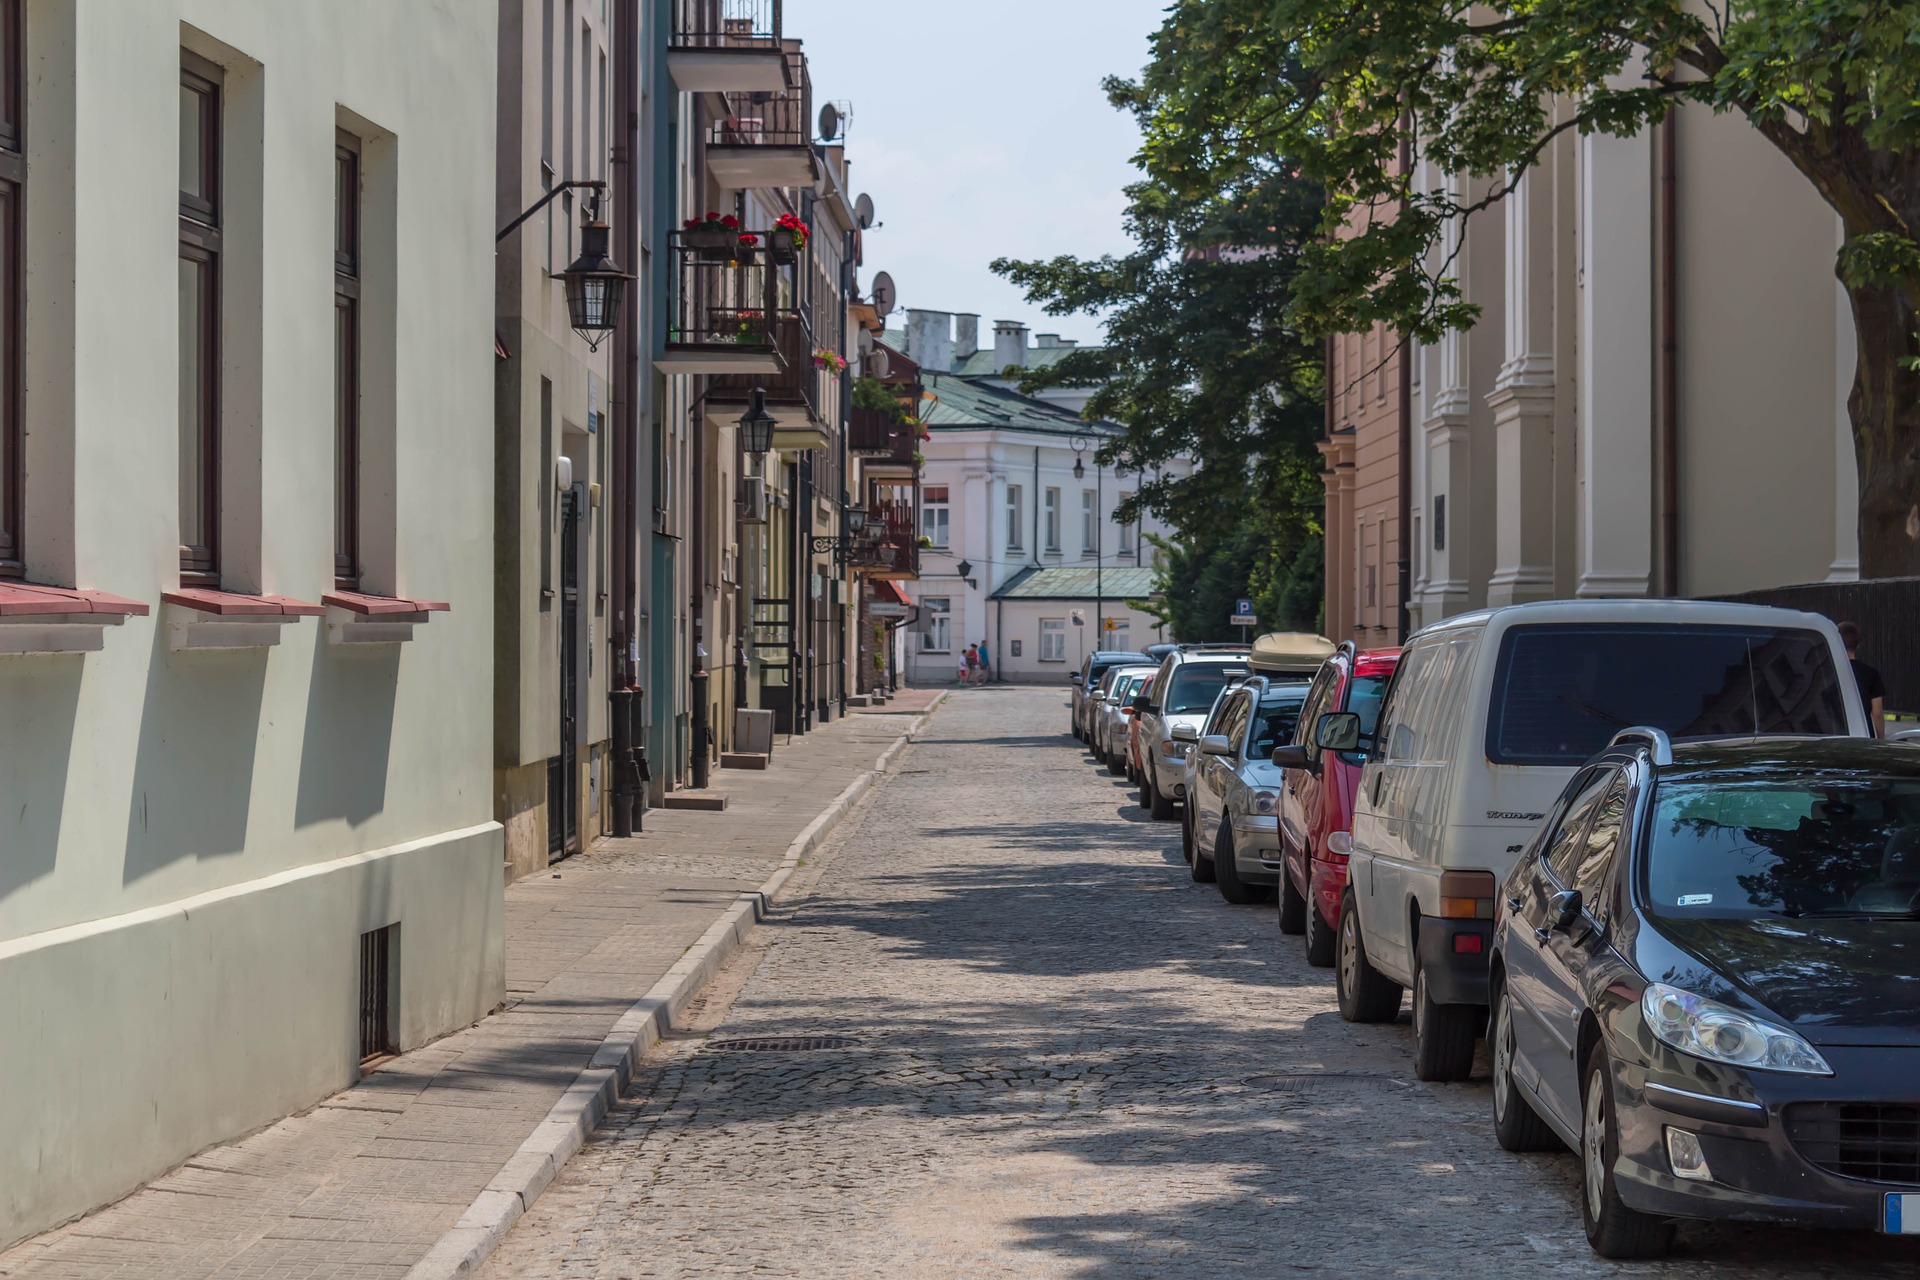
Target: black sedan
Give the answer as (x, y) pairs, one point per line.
(1706, 981)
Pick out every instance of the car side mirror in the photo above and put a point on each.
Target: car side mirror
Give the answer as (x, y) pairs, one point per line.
(1143, 703)
(1292, 756)
(1338, 731)
(1074, 678)
(1565, 908)
(1216, 744)
(1185, 733)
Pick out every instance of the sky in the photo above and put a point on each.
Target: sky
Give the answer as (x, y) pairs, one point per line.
(980, 130)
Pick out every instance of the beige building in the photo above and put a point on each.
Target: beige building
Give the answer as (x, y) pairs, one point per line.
(1653, 401)
(246, 839)
(1366, 433)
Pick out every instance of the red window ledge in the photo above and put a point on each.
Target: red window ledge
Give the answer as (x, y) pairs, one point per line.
(37, 619)
(355, 617)
(202, 618)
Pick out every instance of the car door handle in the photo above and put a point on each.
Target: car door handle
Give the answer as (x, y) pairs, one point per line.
(1542, 936)
(1513, 904)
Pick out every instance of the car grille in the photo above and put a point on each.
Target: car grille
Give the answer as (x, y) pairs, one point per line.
(1872, 1140)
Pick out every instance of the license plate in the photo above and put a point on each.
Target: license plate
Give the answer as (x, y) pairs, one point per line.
(1902, 1217)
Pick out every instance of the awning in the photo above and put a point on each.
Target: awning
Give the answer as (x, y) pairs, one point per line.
(889, 591)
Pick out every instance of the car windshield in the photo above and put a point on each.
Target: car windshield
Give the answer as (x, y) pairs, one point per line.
(1561, 692)
(1839, 846)
(1192, 688)
(1274, 725)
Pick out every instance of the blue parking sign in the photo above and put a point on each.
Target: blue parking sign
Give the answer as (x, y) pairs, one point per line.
(1242, 612)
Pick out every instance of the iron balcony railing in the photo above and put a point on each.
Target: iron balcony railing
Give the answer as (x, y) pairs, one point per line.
(727, 295)
(894, 550)
(725, 24)
(779, 119)
(871, 432)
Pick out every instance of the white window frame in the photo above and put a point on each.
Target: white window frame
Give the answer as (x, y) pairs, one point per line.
(1054, 630)
(1052, 520)
(935, 516)
(1089, 524)
(938, 638)
(1129, 532)
(1015, 503)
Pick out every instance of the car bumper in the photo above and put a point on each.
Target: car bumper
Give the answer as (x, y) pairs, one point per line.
(1329, 881)
(1256, 848)
(1454, 955)
(1170, 774)
(1779, 1160)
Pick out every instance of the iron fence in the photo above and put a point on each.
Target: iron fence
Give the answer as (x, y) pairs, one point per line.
(783, 118)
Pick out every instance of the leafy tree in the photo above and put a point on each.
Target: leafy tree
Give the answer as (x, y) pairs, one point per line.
(1334, 89)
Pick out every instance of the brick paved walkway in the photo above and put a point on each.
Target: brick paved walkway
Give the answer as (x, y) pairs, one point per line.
(363, 1184)
(1068, 1060)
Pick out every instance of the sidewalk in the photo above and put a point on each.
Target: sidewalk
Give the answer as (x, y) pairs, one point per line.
(366, 1183)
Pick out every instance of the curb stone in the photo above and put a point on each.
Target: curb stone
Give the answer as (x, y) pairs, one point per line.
(539, 1159)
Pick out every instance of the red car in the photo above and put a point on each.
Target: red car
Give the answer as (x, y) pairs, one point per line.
(1132, 748)
(1316, 805)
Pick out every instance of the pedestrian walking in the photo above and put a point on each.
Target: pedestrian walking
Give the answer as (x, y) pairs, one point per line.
(986, 668)
(1873, 690)
(973, 663)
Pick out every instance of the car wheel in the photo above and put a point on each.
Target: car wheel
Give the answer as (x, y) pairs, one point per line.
(1443, 1034)
(1201, 864)
(1232, 887)
(1613, 1228)
(1186, 836)
(1321, 940)
(1115, 765)
(1293, 907)
(1365, 995)
(1146, 802)
(1158, 806)
(1515, 1123)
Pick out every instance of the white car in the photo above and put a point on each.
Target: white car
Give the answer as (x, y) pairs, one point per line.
(1110, 718)
(1487, 717)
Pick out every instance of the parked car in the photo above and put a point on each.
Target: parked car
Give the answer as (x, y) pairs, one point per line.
(1113, 713)
(1091, 669)
(1183, 693)
(1233, 789)
(1487, 717)
(1316, 797)
(1158, 652)
(1703, 974)
(1191, 735)
(1141, 700)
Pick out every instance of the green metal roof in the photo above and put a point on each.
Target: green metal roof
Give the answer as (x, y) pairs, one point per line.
(1078, 582)
(964, 403)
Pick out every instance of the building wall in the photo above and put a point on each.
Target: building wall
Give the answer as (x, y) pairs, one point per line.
(195, 841)
(1363, 489)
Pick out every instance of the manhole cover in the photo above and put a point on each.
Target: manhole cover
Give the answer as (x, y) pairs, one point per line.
(1319, 1081)
(781, 1044)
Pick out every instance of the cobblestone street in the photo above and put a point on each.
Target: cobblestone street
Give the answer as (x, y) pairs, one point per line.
(1065, 1059)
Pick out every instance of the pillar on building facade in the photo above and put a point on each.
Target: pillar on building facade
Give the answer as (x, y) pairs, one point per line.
(1522, 401)
(1616, 367)
(1448, 430)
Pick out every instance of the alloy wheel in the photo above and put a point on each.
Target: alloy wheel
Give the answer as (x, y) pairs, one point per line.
(1502, 1057)
(1349, 954)
(1593, 1145)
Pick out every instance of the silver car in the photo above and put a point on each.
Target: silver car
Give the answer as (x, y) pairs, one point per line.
(1185, 690)
(1110, 716)
(1233, 789)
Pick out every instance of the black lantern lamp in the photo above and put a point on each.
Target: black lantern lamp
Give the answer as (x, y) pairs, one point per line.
(756, 424)
(595, 285)
(1079, 468)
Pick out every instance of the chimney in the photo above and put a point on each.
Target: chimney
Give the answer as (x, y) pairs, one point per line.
(1046, 341)
(1009, 344)
(966, 335)
(930, 339)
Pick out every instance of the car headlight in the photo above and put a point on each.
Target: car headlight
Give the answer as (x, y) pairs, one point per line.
(1180, 749)
(1265, 802)
(1708, 1029)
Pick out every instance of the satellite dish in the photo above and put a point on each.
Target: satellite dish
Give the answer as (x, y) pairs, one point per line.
(829, 122)
(864, 343)
(879, 364)
(883, 294)
(863, 210)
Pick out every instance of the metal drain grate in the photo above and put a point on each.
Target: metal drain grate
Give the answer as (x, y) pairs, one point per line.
(781, 1044)
(1320, 1081)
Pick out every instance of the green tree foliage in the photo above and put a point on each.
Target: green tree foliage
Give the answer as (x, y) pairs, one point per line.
(1202, 361)
(1340, 90)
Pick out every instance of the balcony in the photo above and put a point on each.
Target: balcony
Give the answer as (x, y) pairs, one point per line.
(871, 432)
(722, 297)
(727, 46)
(894, 553)
(764, 138)
(793, 387)
(895, 464)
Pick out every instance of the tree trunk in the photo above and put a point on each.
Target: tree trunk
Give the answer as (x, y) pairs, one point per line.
(1885, 411)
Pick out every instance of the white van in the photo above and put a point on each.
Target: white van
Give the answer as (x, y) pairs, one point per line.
(1488, 716)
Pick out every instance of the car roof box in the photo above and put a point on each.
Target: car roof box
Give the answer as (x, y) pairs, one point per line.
(1290, 653)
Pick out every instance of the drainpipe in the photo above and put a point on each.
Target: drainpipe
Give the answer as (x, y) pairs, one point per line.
(623, 392)
(1668, 374)
(1404, 565)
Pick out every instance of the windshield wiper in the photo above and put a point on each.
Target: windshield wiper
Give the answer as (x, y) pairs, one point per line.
(1595, 712)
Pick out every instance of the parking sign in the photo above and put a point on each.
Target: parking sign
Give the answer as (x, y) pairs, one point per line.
(1242, 612)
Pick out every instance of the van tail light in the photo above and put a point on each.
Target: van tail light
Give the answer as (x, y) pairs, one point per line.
(1339, 844)
(1466, 895)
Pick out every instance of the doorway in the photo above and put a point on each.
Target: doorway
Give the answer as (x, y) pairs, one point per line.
(563, 774)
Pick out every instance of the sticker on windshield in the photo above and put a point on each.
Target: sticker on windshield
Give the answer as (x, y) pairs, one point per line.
(1696, 899)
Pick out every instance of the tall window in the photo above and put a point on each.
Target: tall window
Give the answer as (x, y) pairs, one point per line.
(199, 319)
(1015, 518)
(1052, 520)
(13, 184)
(346, 360)
(1129, 532)
(1089, 524)
(933, 514)
(1053, 639)
(938, 637)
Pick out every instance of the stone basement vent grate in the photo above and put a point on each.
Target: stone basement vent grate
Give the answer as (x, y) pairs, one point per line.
(781, 1044)
(1317, 1081)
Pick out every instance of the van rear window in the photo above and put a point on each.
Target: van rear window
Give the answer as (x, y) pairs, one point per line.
(1560, 693)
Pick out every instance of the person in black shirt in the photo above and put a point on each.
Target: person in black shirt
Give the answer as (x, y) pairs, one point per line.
(1873, 690)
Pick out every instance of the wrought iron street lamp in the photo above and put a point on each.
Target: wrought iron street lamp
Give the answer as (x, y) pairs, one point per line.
(756, 424)
(595, 284)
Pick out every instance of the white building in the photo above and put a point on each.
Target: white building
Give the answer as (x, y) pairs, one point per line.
(1021, 548)
(1654, 399)
(246, 600)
